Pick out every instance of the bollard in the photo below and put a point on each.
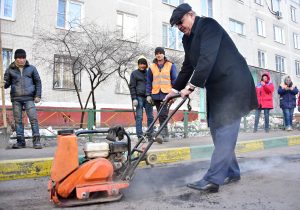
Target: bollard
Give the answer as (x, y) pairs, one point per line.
(185, 124)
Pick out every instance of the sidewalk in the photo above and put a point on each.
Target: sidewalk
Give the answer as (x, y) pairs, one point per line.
(29, 162)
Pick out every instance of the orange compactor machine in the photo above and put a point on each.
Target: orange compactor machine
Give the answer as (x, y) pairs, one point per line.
(107, 168)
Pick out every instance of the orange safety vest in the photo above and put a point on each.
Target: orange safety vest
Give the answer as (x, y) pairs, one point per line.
(161, 78)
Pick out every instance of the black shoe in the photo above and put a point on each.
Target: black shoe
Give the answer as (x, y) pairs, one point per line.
(20, 143)
(232, 179)
(36, 142)
(205, 186)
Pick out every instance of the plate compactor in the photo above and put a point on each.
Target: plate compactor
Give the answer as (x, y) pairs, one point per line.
(108, 166)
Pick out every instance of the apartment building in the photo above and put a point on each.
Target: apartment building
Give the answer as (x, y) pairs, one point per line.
(266, 32)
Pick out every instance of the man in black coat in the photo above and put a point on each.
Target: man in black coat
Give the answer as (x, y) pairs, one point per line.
(212, 61)
(25, 91)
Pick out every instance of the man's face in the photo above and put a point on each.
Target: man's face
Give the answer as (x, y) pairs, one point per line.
(159, 56)
(186, 23)
(142, 66)
(20, 61)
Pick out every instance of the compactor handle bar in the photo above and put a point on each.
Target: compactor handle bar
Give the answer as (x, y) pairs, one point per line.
(102, 130)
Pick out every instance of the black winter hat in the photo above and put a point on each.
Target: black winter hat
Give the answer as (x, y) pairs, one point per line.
(179, 12)
(20, 53)
(159, 50)
(143, 61)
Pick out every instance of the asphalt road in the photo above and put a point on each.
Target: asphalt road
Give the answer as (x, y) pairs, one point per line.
(270, 180)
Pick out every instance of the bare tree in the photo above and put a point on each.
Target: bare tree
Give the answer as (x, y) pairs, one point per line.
(96, 51)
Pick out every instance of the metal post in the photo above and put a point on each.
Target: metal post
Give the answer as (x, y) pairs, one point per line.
(185, 124)
(245, 123)
(91, 119)
(2, 88)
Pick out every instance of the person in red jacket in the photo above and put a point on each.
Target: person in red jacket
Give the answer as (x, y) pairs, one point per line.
(264, 92)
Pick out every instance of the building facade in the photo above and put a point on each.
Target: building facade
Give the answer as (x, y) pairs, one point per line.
(266, 32)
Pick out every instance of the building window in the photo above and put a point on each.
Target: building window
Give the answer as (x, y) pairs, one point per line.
(206, 8)
(236, 26)
(296, 41)
(293, 14)
(261, 59)
(276, 5)
(260, 27)
(279, 35)
(280, 63)
(173, 2)
(6, 57)
(7, 9)
(127, 26)
(259, 2)
(172, 37)
(297, 67)
(64, 71)
(69, 14)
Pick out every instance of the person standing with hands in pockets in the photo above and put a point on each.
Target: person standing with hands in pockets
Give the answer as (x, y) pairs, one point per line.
(212, 61)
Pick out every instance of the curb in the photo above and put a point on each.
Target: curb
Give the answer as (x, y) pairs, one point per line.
(32, 168)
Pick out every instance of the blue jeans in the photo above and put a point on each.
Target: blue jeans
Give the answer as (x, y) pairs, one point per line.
(31, 113)
(223, 161)
(257, 115)
(142, 103)
(288, 116)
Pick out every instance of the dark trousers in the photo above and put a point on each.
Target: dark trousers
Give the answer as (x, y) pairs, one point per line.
(257, 115)
(223, 160)
(163, 116)
(31, 113)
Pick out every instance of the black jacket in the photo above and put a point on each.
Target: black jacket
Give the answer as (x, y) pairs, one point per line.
(213, 61)
(137, 85)
(25, 85)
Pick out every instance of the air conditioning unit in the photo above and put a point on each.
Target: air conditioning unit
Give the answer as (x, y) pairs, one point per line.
(278, 14)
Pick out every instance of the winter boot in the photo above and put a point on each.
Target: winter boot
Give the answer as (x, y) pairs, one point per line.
(36, 142)
(20, 143)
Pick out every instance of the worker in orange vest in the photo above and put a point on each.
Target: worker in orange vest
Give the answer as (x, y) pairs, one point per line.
(161, 77)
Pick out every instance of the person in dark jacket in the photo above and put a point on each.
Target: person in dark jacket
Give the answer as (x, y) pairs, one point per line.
(212, 61)
(161, 77)
(298, 102)
(138, 80)
(25, 91)
(264, 92)
(288, 92)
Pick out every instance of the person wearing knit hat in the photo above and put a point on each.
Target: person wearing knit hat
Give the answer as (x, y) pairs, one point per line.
(137, 86)
(212, 61)
(161, 77)
(20, 53)
(25, 91)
